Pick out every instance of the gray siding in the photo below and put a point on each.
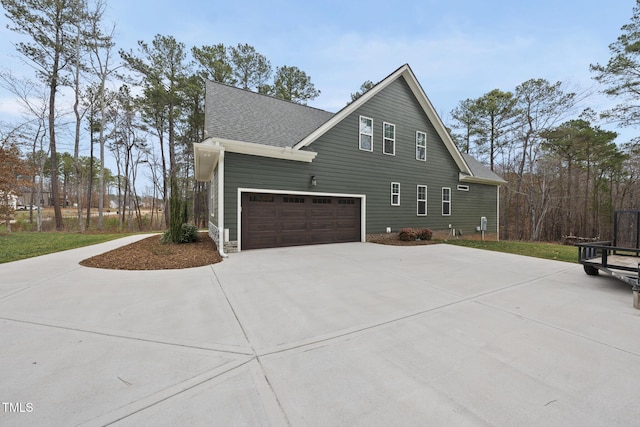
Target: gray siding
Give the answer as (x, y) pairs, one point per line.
(341, 167)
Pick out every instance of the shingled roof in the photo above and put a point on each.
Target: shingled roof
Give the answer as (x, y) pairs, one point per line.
(479, 170)
(265, 119)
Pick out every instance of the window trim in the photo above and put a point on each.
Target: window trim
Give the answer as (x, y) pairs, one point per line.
(213, 194)
(446, 202)
(395, 193)
(384, 138)
(360, 133)
(418, 200)
(212, 204)
(463, 188)
(425, 146)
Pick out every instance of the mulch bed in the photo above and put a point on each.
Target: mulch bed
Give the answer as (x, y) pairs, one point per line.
(392, 239)
(151, 254)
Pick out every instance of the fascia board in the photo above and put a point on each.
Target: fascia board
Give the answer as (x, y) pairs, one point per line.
(285, 153)
(477, 180)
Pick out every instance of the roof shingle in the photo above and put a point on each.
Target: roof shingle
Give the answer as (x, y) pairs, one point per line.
(479, 170)
(264, 119)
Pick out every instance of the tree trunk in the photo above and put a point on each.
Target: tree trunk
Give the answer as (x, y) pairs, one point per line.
(76, 148)
(101, 186)
(55, 192)
(90, 182)
(53, 87)
(164, 183)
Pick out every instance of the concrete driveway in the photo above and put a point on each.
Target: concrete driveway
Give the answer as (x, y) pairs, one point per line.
(333, 335)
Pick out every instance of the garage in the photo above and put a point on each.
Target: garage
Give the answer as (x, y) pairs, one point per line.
(277, 220)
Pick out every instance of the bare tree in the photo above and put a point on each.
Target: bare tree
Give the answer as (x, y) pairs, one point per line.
(78, 67)
(50, 26)
(100, 42)
(540, 106)
(32, 98)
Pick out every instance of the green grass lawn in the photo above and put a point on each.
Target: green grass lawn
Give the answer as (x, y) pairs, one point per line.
(20, 245)
(539, 250)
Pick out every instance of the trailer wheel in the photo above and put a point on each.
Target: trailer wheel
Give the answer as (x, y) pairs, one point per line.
(591, 270)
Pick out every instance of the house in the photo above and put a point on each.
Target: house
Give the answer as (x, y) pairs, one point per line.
(284, 174)
(9, 199)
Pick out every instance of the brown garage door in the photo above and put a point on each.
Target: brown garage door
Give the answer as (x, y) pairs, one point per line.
(275, 220)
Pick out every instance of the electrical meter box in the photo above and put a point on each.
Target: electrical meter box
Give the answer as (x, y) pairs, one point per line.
(483, 223)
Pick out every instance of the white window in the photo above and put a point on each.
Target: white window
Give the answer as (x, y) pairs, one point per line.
(421, 146)
(366, 133)
(422, 200)
(463, 188)
(213, 191)
(395, 194)
(389, 139)
(446, 201)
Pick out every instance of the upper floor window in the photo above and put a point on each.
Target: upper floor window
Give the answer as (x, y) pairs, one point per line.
(421, 146)
(395, 194)
(366, 133)
(389, 139)
(446, 201)
(422, 200)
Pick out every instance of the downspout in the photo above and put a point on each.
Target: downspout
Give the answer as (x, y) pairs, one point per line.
(221, 205)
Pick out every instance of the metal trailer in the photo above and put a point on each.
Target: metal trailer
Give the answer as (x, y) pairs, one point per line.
(619, 258)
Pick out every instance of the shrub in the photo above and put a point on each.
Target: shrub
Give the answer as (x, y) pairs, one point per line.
(425, 234)
(188, 233)
(407, 234)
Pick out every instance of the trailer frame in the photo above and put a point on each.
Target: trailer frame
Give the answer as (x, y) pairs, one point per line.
(621, 262)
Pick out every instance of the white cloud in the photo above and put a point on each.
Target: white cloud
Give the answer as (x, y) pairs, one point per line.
(9, 107)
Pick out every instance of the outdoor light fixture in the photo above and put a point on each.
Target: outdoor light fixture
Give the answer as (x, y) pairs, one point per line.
(314, 182)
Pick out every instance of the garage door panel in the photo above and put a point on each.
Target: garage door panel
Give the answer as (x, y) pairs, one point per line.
(292, 213)
(345, 225)
(317, 239)
(272, 220)
(293, 226)
(323, 225)
(264, 241)
(260, 212)
(266, 227)
(294, 240)
(322, 213)
(317, 213)
(348, 212)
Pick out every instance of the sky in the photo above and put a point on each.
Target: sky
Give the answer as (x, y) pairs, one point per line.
(457, 49)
